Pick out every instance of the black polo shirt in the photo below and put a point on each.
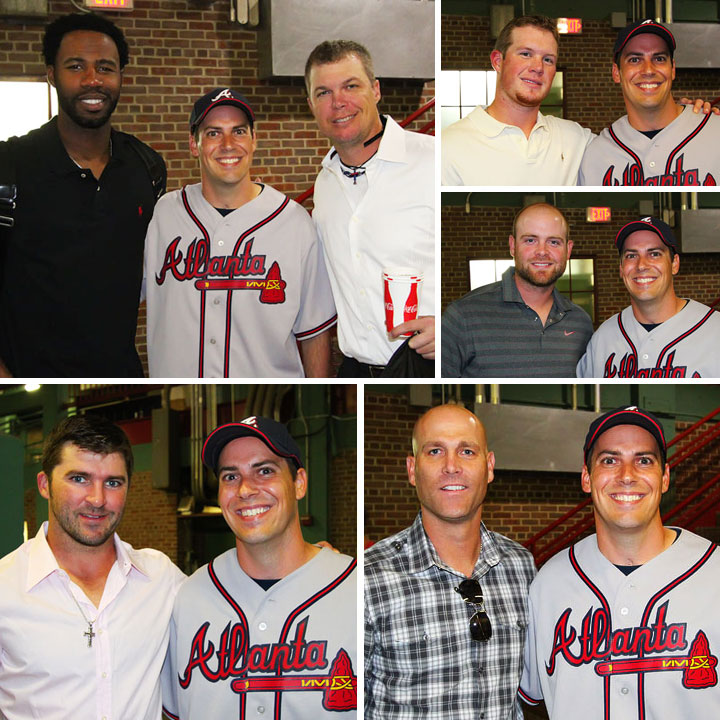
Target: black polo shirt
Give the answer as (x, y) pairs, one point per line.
(73, 263)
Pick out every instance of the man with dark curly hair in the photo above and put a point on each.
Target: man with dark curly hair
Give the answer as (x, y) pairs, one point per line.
(73, 254)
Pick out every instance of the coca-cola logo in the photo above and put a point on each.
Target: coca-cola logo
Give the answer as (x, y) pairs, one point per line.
(389, 307)
(411, 308)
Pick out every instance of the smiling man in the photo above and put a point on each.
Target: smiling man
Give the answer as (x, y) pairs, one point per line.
(71, 271)
(622, 624)
(374, 208)
(268, 627)
(235, 278)
(520, 326)
(84, 616)
(446, 599)
(658, 142)
(511, 142)
(659, 334)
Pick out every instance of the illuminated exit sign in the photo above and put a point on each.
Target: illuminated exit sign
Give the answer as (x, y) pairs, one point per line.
(110, 4)
(569, 26)
(598, 214)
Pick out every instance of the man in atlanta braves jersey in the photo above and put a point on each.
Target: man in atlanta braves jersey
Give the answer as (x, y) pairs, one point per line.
(374, 208)
(658, 142)
(659, 334)
(511, 142)
(624, 624)
(446, 599)
(267, 629)
(234, 271)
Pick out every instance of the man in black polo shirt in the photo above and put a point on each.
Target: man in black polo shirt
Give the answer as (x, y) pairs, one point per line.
(521, 326)
(72, 263)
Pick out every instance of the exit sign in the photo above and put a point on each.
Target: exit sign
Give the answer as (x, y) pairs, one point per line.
(110, 4)
(598, 214)
(569, 26)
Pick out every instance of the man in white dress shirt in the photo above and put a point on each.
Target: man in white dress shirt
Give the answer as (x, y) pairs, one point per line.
(511, 142)
(84, 616)
(374, 207)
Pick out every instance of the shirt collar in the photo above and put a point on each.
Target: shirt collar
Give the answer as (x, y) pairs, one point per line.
(510, 292)
(391, 148)
(490, 127)
(42, 562)
(422, 555)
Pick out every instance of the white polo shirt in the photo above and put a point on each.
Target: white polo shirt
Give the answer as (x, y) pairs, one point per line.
(384, 219)
(480, 150)
(47, 669)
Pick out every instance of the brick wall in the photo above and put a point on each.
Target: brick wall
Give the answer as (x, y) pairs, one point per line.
(343, 502)
(177, 53)
(591, 96)
(484, 232)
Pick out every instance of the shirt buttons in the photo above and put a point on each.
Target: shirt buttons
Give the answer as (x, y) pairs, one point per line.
(216, 301)
(263, 626)
(83, 175)
(645, 357)
(104, 675)
(624, 691)
(652, 164)
(261, 709)
(212, 341)
(100, 631)
(624, 611)
(221, 243)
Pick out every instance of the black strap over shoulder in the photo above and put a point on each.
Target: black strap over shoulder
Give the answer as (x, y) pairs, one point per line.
(153, 163)
(8, 187)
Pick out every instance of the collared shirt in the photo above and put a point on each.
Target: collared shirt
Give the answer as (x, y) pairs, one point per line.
(480, 150)
(420, 660)
(491, 332)
(70, 284)
(391, 225)
(47, 669)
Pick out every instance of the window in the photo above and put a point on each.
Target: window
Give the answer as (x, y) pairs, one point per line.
(33, 103)
(461, 91)
(577, 282)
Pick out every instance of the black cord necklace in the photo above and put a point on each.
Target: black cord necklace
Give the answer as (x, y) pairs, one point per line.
(355, 171)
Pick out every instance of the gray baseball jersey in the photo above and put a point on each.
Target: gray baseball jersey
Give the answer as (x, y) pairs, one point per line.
(238, 651)
(686, 152)
(684, 346)
(603, 645)
(230, 296)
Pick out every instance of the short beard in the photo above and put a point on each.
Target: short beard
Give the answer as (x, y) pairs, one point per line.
(91, 123)
(525, 275)
(71, 527)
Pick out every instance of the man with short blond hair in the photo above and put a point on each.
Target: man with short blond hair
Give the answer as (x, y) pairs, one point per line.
(520, 326)
(374, 209)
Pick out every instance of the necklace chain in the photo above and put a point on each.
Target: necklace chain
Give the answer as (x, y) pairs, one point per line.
(89, 634)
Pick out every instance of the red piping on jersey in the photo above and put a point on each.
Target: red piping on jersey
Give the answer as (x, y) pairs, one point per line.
(300, 608)
(169, 714)
(624, 147)
(327, 324)
(648, 609)
(596, 591)
(668, 165)
(682, 337)
(228, 310)
(243, 619)
(201, 340)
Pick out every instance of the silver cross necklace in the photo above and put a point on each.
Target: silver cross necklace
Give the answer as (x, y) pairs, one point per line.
(89, 634)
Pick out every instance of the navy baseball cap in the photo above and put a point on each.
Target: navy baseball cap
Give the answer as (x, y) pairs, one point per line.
(661, 229)
(274, 434)
(215, 98)
(630, 415)
(638, 28)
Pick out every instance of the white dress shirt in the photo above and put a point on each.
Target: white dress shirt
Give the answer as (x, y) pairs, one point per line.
(386, 219)
(47, 669)
(480, 150)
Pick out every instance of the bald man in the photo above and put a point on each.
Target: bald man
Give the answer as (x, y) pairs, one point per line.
(520, 326)
(446, 599)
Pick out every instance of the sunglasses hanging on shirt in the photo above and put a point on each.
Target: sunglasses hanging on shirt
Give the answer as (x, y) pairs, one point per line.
(471, 592)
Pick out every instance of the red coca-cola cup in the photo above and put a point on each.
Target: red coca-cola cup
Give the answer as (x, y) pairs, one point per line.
(402, 291)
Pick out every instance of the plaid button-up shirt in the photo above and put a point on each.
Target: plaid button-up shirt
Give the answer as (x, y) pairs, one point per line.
(420, 660)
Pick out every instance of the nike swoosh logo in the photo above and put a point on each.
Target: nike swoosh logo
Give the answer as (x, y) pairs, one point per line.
(572, 332)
